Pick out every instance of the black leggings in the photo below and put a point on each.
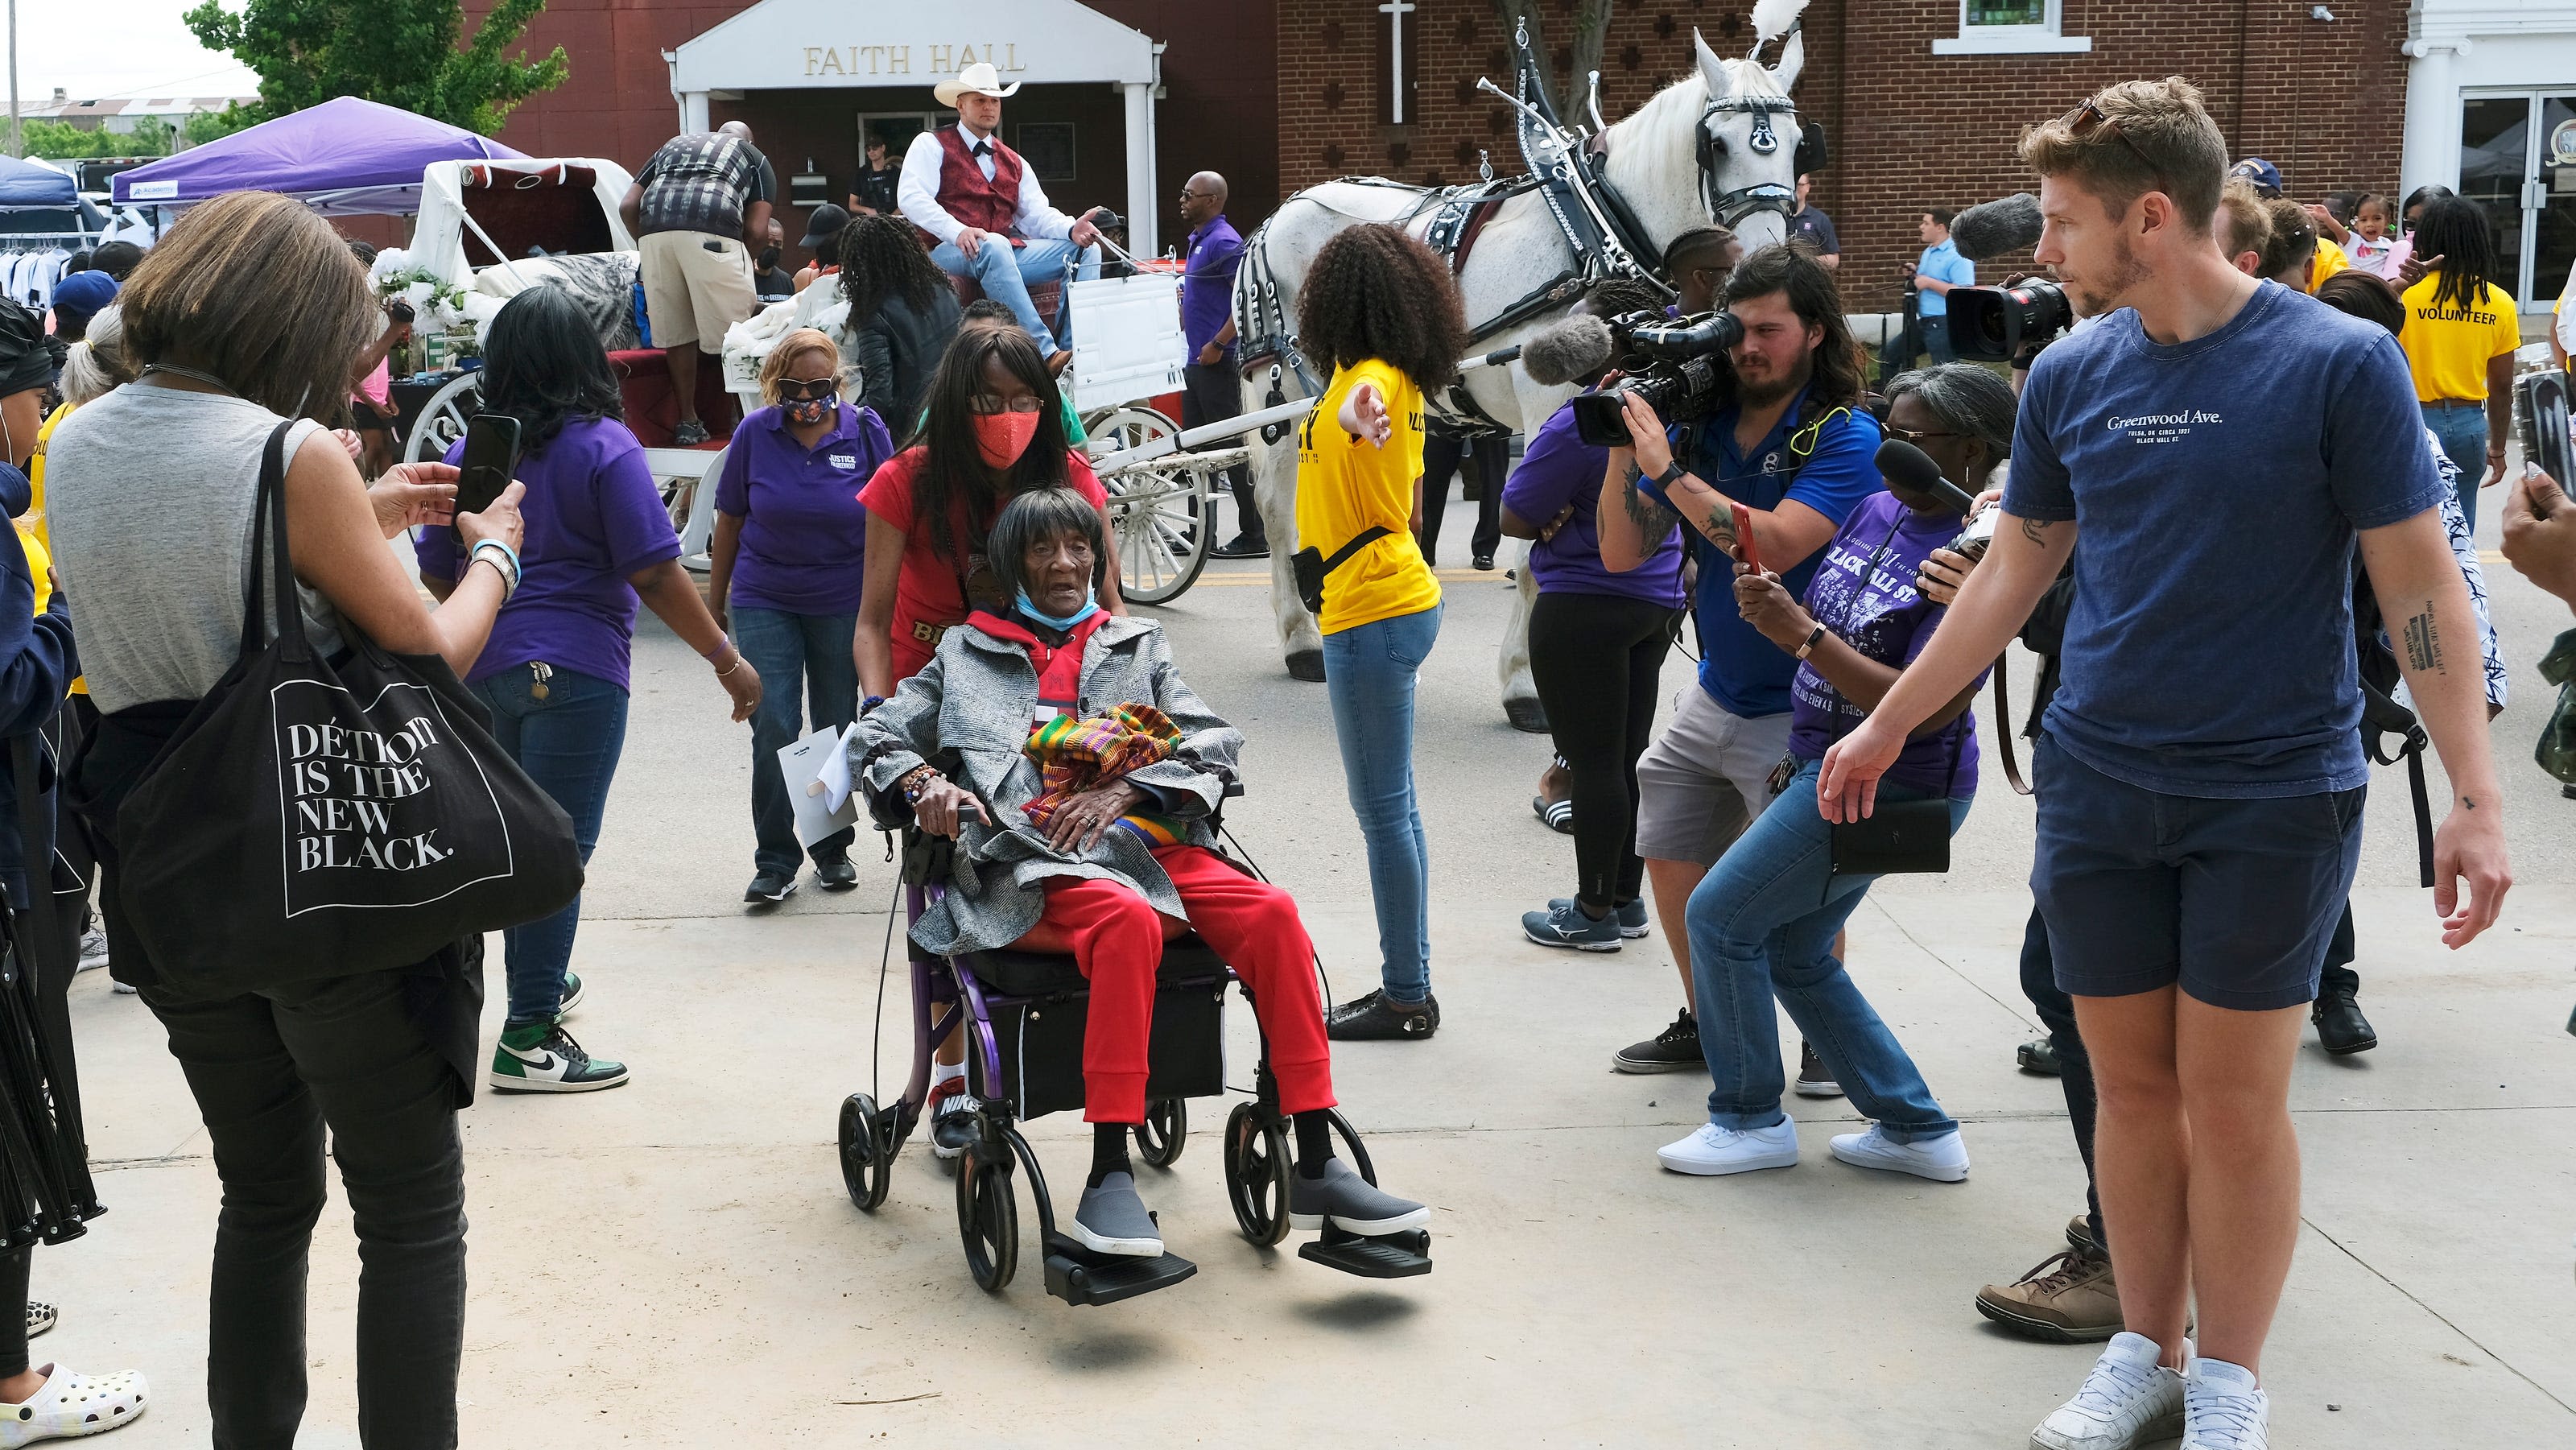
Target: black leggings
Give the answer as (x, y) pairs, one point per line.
(52, 1018)
(1440, 455)
(271, 1072)
(1598, 662)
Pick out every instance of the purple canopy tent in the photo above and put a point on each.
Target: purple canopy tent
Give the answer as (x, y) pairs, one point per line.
(344, 156)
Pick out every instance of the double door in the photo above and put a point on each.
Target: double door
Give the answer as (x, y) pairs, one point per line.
(2518, 163)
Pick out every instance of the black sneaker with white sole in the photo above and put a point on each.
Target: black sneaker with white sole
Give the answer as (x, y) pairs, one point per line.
(836, 874)
(1372, 1018)
(1631, 917)
(770, 888)
(1675, 1049)
(1815, 1080)
(540, 1057)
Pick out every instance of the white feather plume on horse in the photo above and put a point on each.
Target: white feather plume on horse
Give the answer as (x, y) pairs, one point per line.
(1773, 19)
(1719, 143)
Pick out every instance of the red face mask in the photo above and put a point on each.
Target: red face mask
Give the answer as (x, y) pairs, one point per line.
(1003, 437)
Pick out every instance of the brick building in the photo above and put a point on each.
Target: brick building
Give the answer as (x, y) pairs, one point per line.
(1923, 109)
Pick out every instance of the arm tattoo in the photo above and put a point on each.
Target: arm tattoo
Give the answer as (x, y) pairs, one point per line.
(2423, 645)
(1720, 527)
(2036, 530)
(1653, 518)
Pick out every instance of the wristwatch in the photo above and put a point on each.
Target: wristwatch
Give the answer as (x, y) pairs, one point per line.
(1672, 474)
(1813, 640)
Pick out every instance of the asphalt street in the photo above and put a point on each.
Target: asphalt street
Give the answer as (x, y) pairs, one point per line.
(675, 1263)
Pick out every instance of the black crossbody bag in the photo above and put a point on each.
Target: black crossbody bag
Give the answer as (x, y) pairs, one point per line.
(1897, 837)
(1311, 566)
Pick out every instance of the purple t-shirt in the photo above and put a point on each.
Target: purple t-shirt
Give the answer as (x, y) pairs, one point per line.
(1207, 287)
(804, 532)
(1883, 618)
(1558, 468)
(593, 517)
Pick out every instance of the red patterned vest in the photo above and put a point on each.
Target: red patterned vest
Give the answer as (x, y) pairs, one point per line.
(988, 206)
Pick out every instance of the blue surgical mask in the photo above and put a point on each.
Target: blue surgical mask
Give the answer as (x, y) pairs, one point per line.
(1090, 607)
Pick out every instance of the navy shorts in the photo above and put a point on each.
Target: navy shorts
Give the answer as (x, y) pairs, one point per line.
(2234, 899)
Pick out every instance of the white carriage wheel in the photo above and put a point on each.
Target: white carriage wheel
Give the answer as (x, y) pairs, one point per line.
(1165, 517)
(443, 418)
(1115, 430)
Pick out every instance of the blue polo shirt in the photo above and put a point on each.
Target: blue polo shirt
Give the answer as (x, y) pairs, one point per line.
(1207, 286)
(804, 533)
(1746, 674)
(1942, 263)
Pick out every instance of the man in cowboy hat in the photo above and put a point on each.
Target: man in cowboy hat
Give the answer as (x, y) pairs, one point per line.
(983, 209)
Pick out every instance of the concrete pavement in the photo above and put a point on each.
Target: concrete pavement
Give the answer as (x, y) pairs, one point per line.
(674, 1262)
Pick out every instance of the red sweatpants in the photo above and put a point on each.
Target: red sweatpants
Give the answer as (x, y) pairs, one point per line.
(1116, 937)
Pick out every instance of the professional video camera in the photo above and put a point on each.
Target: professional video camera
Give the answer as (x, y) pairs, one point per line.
(1677, 366)
(1996, 323)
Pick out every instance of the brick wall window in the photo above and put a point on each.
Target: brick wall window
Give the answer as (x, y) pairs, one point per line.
(2011, 27)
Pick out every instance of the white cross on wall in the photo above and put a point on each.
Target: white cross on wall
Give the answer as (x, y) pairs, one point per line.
(1395, 11)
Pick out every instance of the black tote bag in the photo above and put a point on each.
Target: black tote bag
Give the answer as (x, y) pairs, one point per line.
(311, 821)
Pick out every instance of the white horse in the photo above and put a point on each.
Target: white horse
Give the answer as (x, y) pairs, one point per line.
(1716, 145)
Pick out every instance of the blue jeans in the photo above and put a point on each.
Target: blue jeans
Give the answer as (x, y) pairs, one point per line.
(568, 743)
(1369, 671)
(1756, 930)
(2462, 427)
(785, 647)
(1005, 272)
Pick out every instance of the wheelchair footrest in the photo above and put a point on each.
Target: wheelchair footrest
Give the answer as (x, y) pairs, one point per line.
(1078, 1276)
(1394, 1256)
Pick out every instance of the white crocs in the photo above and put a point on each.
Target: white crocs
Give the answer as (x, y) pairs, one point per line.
(72, 1404)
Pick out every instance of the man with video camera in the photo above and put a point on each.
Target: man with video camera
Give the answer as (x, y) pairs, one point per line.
(2222, 443)
(1780, 430)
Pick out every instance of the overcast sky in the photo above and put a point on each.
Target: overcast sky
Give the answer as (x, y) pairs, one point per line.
(95, 48)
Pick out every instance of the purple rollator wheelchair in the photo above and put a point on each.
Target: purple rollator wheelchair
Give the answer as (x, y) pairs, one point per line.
(1024, 1014)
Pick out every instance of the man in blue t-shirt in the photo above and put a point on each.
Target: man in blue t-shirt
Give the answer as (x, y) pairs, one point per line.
(1939, 269)
(1796, 447)
(2221, 443)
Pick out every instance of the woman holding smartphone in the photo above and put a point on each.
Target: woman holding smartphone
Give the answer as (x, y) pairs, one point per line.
(555, 673)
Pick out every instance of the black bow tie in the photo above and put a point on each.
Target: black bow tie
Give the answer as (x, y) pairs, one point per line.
(983, 149)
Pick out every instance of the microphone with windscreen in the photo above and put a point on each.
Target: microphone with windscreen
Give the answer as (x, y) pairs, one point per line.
(1902, 462)
(1992, 228)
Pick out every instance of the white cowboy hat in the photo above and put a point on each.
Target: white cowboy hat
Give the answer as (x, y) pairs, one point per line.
(980, 78)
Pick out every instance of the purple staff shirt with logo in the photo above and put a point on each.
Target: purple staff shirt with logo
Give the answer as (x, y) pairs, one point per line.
(1207, 288)
(804, 532)
(593, 516)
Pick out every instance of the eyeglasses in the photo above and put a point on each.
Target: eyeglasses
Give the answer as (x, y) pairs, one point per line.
(988, 405)
(1909, 435)
(1187, 195)
(806, 390)
(2088, 118)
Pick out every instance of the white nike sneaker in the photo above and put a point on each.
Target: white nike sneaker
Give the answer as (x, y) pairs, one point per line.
(1943, 1159)
(2223, 1409)
(1711, 1150)
(2128, 1400)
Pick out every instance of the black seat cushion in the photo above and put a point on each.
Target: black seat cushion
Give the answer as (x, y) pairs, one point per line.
(1045, 974)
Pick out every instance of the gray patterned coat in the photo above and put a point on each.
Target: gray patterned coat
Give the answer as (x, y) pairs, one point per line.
(978, 696)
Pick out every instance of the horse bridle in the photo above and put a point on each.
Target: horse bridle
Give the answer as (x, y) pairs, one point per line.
(1732, 207)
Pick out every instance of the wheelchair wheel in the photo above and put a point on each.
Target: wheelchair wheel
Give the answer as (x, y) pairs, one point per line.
(867, 1166)
(1256, 1174)
(1165, 1132)
(988, 1220)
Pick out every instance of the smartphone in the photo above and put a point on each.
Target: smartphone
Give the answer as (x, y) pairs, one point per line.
(2540, 415)
(1744, 536)
(490, 461)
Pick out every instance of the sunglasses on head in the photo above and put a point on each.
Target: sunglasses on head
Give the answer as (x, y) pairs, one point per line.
(2088, 118)
(806, 390)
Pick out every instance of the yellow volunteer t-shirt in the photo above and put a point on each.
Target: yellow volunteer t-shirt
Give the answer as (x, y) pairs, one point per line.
(39, 562)
(2448, 349)
(2330, 260)
(1345, 486)
(32, 534)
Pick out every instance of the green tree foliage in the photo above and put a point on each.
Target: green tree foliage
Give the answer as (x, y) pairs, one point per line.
(63, 141)
(398, 52)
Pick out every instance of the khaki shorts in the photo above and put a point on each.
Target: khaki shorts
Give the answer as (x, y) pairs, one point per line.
(696, 285)
(1705, 778)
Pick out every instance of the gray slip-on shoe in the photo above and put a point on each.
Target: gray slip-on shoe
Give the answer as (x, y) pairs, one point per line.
(1112, 1220)
(1353, 1203)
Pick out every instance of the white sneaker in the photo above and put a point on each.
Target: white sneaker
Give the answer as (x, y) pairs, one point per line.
(69, 1405)
(2128, 1400)
(1712, 1150)
(1943, 1159)
(93, 948)
(2222, 1407)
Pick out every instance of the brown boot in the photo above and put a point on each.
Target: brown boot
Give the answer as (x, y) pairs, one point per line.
(2066, 1299)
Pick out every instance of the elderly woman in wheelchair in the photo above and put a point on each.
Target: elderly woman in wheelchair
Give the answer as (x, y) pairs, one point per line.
(1077, 775)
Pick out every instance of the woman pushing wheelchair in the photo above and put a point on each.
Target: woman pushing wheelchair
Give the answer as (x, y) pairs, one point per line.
(1081, 777)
